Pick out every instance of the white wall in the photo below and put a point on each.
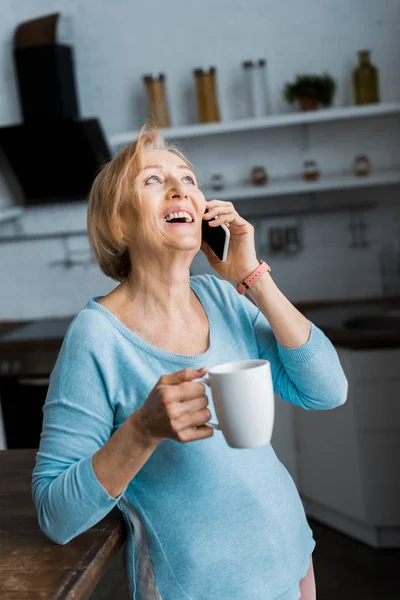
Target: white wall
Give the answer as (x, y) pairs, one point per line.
(116, 43)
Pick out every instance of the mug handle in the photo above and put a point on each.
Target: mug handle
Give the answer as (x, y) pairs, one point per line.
(206, 382)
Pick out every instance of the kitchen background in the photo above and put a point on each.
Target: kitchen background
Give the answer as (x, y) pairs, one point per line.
(347, 228)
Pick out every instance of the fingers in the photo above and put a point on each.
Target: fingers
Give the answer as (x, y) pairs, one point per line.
(189, 420)
(185, 405)
(189, 390)
(190, 435)
(181, 376)
(218, 203)
(220, 212)
(192, 426)
(180, 410)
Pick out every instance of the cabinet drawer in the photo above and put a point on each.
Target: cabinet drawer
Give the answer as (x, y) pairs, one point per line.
(370, 364)
(380, 454)
(377, 404)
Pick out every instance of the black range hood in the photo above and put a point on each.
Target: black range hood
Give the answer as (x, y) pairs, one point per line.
(52, 161)
(54, 155)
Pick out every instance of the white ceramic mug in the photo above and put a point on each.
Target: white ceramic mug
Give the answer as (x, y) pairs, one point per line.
(243, 397)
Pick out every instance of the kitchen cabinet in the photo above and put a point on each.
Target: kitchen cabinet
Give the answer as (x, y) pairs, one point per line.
(348, 458)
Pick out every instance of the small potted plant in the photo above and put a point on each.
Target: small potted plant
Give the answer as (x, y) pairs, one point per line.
(311, 91)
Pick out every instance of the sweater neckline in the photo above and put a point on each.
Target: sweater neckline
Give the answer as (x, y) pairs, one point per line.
(165, 354)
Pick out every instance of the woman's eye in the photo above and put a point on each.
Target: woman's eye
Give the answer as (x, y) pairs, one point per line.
(191, 179)
(153, 177)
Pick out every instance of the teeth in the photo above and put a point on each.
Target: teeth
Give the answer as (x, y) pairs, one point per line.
(179, 215)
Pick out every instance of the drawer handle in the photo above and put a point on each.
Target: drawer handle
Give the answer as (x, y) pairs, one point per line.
(34, 381)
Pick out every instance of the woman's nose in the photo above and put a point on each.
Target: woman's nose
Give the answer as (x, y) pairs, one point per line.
(177, 190)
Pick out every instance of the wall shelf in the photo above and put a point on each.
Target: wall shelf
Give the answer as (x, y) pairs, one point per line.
(43, 236)
(9, 214)
(279, 120)
(312, 210)
(64, 236)
(280, 187)
(275, 187)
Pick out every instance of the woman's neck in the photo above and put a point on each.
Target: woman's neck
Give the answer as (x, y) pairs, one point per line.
(153, 297)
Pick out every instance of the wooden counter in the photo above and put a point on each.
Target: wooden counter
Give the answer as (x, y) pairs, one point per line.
(6, 326)
(32, 566)
(330, 316)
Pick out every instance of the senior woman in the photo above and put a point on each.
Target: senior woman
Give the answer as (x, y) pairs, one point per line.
(125, 422)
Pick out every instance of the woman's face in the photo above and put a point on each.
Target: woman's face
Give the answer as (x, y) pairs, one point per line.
(166, 184)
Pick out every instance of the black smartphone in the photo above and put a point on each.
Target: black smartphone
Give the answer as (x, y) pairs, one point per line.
(217, 237)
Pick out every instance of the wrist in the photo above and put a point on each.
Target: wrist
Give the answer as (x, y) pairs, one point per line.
(246, 272)
(140, 432)
(260, 287)
(252, 278)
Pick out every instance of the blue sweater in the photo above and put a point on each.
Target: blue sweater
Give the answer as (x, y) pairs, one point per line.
(204, 521)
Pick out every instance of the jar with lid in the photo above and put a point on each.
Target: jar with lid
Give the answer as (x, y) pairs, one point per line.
(361, 165)
(259, 176)
(158, 107)
(206, 92)
(310, 170)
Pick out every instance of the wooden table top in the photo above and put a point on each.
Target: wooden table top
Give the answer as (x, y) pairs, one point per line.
(31, 565)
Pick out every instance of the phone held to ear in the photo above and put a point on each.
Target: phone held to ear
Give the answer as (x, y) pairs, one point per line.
(217, 237)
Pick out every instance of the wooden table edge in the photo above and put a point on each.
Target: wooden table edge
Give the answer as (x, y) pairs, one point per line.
(82, 584)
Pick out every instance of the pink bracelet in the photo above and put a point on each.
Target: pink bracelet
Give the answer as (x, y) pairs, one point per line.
(253, 277)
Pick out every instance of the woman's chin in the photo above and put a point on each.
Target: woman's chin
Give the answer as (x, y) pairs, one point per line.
(192, 242)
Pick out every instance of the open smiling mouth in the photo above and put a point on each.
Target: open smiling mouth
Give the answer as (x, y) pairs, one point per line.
(179, 219)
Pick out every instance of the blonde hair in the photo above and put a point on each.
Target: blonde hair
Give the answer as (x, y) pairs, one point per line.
(113, 188)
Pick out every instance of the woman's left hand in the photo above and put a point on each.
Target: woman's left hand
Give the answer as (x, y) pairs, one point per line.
(242, 258)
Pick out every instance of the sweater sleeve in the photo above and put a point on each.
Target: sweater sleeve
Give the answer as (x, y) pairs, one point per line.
(77, 420)
(310, 375)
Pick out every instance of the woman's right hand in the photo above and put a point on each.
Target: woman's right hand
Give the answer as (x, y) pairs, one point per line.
(174, 408)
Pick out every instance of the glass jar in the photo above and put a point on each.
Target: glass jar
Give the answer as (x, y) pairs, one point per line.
(206, 92)
(259, 176)
(365, 79)
(361, 165)
(158, 107)
(310, 170)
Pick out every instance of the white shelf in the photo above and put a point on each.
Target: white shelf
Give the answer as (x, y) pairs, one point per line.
(281, 120)
(280, 187)
(8, 214)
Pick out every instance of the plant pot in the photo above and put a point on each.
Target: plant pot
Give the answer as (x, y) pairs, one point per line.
(308, 103)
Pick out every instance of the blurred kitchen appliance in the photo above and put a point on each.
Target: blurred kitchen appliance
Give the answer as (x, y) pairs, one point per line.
(54, 155)
(52, 160)
(45, 71)
(27, 357)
